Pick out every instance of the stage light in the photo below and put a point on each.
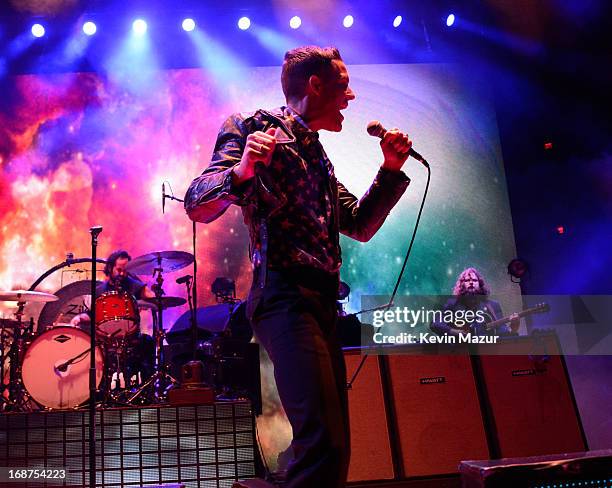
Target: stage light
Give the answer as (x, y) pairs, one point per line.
(38, 30)
(450, 20)
(89, 28)
(517, 269)
(348, 21)
(397, 21)
(188, 25)
(295, 22)
(139, 27)
(244, 23)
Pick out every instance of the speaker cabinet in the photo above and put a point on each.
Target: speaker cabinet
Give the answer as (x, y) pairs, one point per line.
(530, 400)
(437, 413)
(370, 446)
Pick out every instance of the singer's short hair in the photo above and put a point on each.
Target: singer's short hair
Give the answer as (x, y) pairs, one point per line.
(112, 260)
(303, 62)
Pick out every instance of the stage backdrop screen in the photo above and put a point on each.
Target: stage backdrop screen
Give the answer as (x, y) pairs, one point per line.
(83, 149)
(86, 149)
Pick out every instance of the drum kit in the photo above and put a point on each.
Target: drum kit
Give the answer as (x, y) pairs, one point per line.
(49, 369)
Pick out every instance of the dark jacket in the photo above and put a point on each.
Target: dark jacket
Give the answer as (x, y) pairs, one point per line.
(210, 194)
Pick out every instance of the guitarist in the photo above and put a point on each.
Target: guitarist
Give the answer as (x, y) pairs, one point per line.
(471, 293)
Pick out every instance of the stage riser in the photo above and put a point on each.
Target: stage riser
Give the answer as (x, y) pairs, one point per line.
(205, 446)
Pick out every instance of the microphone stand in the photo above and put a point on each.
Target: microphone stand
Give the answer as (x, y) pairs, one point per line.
(194, 286)
(95, 231)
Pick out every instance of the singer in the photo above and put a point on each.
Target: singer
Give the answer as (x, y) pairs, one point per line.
(272, 164)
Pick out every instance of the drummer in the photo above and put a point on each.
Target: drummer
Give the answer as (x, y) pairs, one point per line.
(118, 279)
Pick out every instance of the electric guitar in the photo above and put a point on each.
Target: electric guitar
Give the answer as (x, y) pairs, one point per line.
(539, 308)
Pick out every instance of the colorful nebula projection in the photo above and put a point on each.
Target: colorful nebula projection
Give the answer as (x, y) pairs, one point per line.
(84, 149)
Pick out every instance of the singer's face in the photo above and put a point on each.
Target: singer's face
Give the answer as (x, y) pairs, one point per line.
(119, 271)
(335, 96)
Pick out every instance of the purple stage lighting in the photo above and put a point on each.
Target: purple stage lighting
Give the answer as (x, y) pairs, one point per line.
(450, 20)
(38, 30)
(295, 22)
(397, 21)
(348, 21)
(244, 23)
(89, 28)
(188, 25)
(139, 27)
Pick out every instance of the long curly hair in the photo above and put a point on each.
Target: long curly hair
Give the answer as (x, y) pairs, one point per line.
(459, 288)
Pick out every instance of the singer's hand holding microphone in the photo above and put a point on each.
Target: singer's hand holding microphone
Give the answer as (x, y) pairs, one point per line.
(258, 149)
(396, 146)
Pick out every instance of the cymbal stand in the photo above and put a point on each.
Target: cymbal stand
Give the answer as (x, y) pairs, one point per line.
(160, 376)
(4, 387)
(19, 398)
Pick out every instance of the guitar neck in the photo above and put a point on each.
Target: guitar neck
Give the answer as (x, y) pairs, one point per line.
(524, 313)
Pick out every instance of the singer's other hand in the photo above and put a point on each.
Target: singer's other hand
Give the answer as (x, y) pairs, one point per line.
(259, 148)
(395, 146)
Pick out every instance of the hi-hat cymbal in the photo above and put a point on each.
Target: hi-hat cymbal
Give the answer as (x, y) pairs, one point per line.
(167, 302)
(26, 296)
(166, 260)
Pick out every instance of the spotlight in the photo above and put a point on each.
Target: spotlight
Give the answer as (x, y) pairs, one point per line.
(348, 21)
(517, 269)
(450, 20)
(188, 25)
(89, 28)
(139, 27)
(295, 22)
(397, 21)
(244, 23)
(38, 30)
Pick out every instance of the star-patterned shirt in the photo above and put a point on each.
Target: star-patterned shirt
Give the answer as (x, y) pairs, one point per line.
(301, 233)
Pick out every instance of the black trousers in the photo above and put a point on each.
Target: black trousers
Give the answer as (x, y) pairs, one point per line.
(294, 317)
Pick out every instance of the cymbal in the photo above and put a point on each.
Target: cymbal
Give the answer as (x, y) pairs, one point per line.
(166, 260)
(167, 302)
(26, 296)
(144, 305)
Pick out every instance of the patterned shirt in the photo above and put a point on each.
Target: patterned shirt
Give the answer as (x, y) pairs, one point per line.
(301, 233)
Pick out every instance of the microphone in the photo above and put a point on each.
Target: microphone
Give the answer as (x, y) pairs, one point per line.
(163, 197)
(183, 279)
(376, 129)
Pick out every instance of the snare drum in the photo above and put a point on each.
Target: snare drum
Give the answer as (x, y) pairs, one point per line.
(46, 375)
(116, 315)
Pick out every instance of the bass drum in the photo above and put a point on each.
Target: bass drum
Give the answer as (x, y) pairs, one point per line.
(41, 368)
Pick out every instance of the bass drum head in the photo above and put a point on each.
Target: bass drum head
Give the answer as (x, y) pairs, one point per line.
(42, 379)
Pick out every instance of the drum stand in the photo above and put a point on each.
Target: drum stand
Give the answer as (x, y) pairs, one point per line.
(160, 381)
(115, 397)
